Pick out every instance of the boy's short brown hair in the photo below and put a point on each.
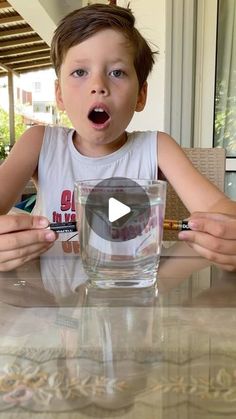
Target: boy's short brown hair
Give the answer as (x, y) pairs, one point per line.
(81, 24)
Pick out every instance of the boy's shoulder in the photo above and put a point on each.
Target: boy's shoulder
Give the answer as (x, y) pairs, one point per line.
(46, 134)
(145, 134)
(57, 129)
(46, 129)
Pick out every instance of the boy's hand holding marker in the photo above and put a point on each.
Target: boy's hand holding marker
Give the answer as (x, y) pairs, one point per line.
(213, 236)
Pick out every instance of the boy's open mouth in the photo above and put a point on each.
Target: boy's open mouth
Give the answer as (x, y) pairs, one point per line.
(98, 116)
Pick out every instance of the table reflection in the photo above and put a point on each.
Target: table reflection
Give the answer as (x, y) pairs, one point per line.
(68, 348)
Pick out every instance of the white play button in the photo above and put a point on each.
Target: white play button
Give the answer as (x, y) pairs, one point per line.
(116, 209)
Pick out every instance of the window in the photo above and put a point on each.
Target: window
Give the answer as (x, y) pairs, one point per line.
(38, 107)
(37, 86)
(26, 97)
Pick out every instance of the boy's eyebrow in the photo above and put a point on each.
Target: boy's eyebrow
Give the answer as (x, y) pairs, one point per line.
(119, 61)
(111, 61)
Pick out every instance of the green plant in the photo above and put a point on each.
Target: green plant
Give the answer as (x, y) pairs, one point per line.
(20, 127)
(3, 153)
(64, 120)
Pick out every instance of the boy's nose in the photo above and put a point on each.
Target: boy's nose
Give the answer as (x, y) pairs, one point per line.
(99, 86)
(100, 90)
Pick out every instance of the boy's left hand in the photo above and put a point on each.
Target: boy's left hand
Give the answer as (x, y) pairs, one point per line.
(213, 236)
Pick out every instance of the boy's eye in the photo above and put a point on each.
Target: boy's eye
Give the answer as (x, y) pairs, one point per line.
(117, 73)
(79, 73)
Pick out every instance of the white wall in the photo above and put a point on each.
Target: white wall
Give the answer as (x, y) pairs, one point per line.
(57, 9)
(150, 20)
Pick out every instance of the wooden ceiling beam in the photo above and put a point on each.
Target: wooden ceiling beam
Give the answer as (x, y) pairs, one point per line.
(31, 63)
(19, 41)
(18, 51)
(10, 19)
(7, 69)
(33, 68)
(21, 48)
(5, 5)
(26, 57)
(16, 31)
(45, 66)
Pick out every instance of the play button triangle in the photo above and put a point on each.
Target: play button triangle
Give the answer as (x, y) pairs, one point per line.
(116, 209)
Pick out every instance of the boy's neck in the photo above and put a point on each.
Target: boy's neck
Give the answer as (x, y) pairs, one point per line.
(100, 150)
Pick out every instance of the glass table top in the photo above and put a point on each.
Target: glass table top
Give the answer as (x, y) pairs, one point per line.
(69, 350)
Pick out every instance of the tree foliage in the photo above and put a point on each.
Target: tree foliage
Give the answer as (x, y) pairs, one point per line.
(64, 120)
(3, 152)
(20, 127)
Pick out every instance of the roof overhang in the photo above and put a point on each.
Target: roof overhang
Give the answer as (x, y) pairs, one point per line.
(22, 49)
(26, 30)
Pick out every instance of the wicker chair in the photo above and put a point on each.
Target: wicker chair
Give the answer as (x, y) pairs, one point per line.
(211, 163)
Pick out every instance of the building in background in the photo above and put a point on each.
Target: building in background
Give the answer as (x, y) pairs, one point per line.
(34, 97)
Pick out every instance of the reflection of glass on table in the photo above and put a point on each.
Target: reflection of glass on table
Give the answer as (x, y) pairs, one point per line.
(68, 348)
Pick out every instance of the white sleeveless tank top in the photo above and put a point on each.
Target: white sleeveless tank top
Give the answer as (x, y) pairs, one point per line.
(60, 165)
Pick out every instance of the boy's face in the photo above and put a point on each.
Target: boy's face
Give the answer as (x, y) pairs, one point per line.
(99, 89)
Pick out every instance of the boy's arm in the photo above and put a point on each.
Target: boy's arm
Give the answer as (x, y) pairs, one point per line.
(20, 166)
(22, 237)
(213, 215)
(195, 191)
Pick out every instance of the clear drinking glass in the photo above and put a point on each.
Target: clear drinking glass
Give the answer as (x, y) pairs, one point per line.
(124, 254)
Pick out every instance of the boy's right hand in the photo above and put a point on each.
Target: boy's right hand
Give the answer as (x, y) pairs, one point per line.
(22, 238)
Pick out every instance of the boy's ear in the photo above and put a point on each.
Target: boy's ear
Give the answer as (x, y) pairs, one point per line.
(58, 96)
(142, 97)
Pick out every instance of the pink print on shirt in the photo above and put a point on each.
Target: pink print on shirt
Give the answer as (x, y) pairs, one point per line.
(67, 208)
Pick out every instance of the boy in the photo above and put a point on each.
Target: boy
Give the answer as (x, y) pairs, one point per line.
(102, 63)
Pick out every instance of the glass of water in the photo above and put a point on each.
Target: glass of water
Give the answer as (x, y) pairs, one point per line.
(120, 223)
